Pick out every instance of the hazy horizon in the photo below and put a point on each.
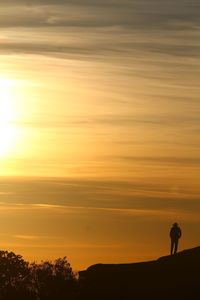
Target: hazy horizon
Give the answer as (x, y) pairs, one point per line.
(99, 127)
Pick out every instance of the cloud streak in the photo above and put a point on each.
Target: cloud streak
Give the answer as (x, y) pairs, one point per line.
(65, 195)
(134, 14)
(178, 160)
(77, 210)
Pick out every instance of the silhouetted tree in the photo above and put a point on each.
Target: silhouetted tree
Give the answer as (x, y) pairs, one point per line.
(13, 270)
(52, 280)
(24, 281)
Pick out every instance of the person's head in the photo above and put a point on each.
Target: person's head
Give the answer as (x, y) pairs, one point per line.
(175, 225)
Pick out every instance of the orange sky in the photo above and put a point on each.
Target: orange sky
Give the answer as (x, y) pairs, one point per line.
(99, 128)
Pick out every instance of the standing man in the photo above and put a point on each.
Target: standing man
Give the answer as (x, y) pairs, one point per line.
(175, 234)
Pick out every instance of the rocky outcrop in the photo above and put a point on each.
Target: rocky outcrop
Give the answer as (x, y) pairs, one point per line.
(169, 277)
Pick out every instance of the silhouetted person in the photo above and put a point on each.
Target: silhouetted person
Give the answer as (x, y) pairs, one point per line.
(175, 234)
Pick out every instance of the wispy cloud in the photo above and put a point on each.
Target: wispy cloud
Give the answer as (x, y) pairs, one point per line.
(27, 237)
(145, 13)
(179, 20)
(163, 160)
(168, 213)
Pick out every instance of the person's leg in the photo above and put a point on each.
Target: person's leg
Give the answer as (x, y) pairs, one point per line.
(172, 246)
(176, 246)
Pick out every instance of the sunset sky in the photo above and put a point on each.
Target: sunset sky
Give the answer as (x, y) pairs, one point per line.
(99, 128)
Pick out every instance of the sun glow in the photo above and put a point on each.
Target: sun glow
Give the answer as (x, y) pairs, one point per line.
(8, 131)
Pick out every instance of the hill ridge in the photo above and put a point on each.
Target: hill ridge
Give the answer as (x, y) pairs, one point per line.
(164, 278)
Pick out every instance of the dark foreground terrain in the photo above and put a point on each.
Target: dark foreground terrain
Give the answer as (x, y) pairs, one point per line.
(169, 277)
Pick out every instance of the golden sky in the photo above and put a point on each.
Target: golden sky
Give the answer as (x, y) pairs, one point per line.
(99, 128)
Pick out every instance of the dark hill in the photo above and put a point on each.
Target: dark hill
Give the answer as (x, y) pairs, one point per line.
(169, 277)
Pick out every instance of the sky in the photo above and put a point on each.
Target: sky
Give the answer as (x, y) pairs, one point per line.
(99, 128)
